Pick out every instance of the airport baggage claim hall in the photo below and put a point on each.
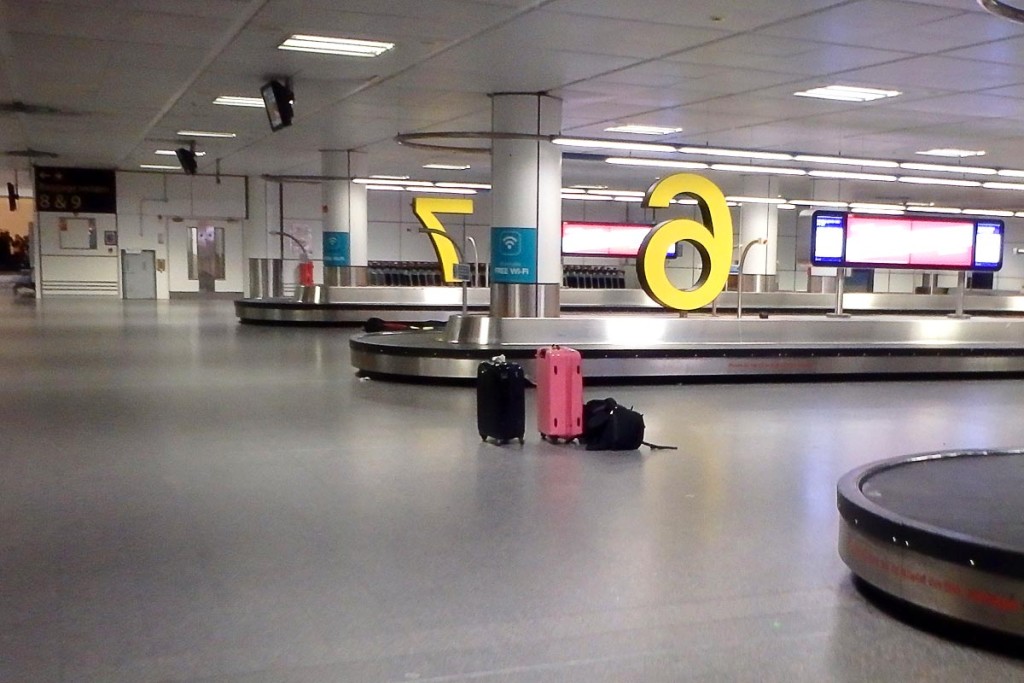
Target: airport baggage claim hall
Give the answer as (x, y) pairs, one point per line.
(254, 251)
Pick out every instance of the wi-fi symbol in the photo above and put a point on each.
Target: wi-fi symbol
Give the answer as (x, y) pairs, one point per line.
(510, 242)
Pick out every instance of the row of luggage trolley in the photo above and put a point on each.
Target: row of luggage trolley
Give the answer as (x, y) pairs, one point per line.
(428, 274)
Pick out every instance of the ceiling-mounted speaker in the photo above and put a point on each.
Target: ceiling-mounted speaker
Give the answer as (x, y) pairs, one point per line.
(278, 99)
(12, 196)
(187, 159)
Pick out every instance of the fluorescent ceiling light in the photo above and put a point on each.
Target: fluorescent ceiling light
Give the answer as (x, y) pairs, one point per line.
(448, 167)
(756, 200)
(739, 168)
(687, 201)
(468, 186)
(573, 190)
(941, 168)
(1011, 173)
(953, 152)
(390, 177)
(817, 202)
(640, 129)
(935, 209)
(160, 167)
(440, 190)
(613, 144)
(741, 153)
(349, 47)
(857, 206)
(236, 101)
(1003, 186)
(848, 161)
(619, 193)
(884, 212)
(171, 153)
(987, 212)
(587, 197)
(395, 188)
(850, 175)
(206, 134)
(847, 93)
(939, 181)
(384, 181)
(624, 198)
(786, 206)
(659, 163)
(585, 187)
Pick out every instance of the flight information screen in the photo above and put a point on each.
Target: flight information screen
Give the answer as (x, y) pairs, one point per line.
(869, 241)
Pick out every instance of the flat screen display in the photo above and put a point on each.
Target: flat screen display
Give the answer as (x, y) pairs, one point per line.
(841, 239)
(613, 240)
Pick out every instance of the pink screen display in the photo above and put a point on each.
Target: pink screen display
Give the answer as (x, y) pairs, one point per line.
(603, 239)
(908, 242)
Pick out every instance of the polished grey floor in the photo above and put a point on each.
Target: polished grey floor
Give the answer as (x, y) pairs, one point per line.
(183, 498)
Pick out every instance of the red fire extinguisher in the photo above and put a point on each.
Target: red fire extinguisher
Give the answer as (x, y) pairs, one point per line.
(306, 273)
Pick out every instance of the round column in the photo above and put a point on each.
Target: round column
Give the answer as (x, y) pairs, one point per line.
(345, 218)
(758, 222)
(526, 207)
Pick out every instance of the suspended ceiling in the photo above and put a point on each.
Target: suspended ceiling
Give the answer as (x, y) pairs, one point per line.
(121, 77)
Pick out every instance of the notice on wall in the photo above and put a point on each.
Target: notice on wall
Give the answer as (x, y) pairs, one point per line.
(75, 190)
(514, 255)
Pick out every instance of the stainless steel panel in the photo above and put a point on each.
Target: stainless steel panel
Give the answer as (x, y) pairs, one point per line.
(635, 300)
(960, 592)
(524, 300)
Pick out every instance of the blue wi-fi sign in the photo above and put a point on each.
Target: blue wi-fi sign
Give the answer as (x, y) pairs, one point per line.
(514, 255)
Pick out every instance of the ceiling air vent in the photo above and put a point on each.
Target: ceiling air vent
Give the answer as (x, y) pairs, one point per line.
(30, 154)
(19, 107)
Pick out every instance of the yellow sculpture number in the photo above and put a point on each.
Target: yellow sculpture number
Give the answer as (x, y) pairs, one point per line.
(426, 210)
(712, 239)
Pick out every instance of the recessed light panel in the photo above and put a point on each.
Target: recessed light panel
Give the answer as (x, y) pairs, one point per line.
(848, 93)
(953, 152)
(347, 47)
(640, 129)
(171, 153)
(206, 134)
(237, 101)
(448, 167)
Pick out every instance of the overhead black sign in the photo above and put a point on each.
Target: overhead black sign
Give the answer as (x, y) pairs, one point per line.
(75, 190)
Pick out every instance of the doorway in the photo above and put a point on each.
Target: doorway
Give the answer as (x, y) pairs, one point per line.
(206, 256)
(138, 274)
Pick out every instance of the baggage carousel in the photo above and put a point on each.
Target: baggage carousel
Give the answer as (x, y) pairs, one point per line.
(624, 335)
(324, 305)
(667, 348)
(941, 531)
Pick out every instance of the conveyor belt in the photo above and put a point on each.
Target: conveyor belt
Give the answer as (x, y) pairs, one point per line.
(664, 347)
(320, 305)
(941, 531)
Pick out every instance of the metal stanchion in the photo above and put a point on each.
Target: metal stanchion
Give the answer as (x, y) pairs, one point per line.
(739, 278)
(840, 281)
(961, 290)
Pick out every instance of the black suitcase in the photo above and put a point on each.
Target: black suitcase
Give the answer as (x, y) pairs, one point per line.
(500, 400)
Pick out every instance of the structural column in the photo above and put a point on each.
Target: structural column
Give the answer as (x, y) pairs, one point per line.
(345, 218)
(526, 206)
(759, 222)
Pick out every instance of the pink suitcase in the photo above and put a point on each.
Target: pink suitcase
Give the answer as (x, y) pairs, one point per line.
(559, 380)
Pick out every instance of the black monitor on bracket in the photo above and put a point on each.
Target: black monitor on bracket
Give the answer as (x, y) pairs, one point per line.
(277, 100)
(187, 159)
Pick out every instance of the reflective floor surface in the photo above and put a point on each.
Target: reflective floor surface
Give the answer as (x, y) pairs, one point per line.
(183, 498)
